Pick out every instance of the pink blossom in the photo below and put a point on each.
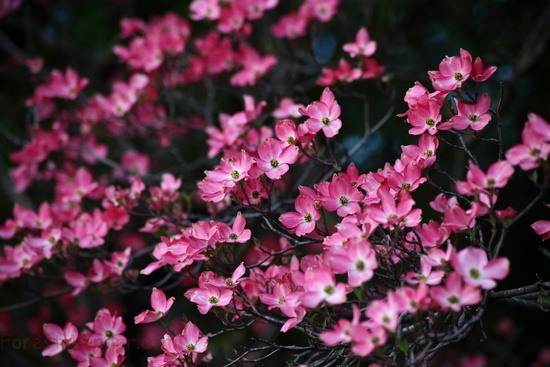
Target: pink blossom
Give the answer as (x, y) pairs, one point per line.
(323, 115)
(408, 179)
(422, 154)
(342, 197)
(372, 69)
(160, 305)
(232, 282)
(344, 73)
(64, 86)
(534, 147)
(114, 356)
(542, 227)
(283, 298)
(303, 220)
(453, 71)
(232, 17)
(254, 67)
(291, 26)
(475, 115)
(497, 176)
(319, 286)
(285, 131)
(323, 10)
(188, 342)
(61, 338)
(237, 233)
(426, 274)
(340, 332)
(107, 329)
(356, 257)
(363, 46)
(455, 295)
(384, 312)
(287, 108)
(367, 337)
(84, 351)
(209, 296)
(480, 73)
(389, 213)
(425, 117)
(274, 158)
(474, 267)
(231, 170)
(78, 280)
(205, 9)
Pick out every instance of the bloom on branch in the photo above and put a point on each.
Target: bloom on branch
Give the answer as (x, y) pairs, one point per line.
(160, 305)
(61, 338)
(474, 267)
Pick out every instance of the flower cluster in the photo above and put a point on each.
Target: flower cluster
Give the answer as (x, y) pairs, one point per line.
(274, 228)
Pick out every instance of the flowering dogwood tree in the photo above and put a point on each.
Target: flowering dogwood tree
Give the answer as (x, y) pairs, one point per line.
(217, 213)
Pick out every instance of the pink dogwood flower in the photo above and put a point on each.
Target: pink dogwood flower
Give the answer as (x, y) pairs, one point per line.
(237, 233)
(453, 71)
(497, 176)
(323, 115)
(107, 329)
(209, 296)
(274, 158)
(303, 220)
(341, 197)
(340, 332)
(61, 338)
(455, 295)
(474, 267)
(542, 227)
(160, 305)
(363, 46)
(425, 118)
(480, 73)
(319, 286)
(475, 115)
(187, 342)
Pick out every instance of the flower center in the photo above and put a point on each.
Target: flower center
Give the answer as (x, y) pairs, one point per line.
(325, 121)
(343, 200)
(472, 117)
(420, 277)
(274, 163)
(213, 299)
(235, 174)
(308, 217)
(360, 265)
(474, 273)
(430, 122)
(329, 289)
(453, 299)
(458, 76)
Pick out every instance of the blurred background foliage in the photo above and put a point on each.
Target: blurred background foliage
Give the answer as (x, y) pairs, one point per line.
(412, 37)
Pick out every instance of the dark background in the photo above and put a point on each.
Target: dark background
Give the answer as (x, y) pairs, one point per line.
(412, 36)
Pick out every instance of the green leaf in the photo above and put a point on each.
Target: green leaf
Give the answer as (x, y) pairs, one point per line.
(403, 345)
